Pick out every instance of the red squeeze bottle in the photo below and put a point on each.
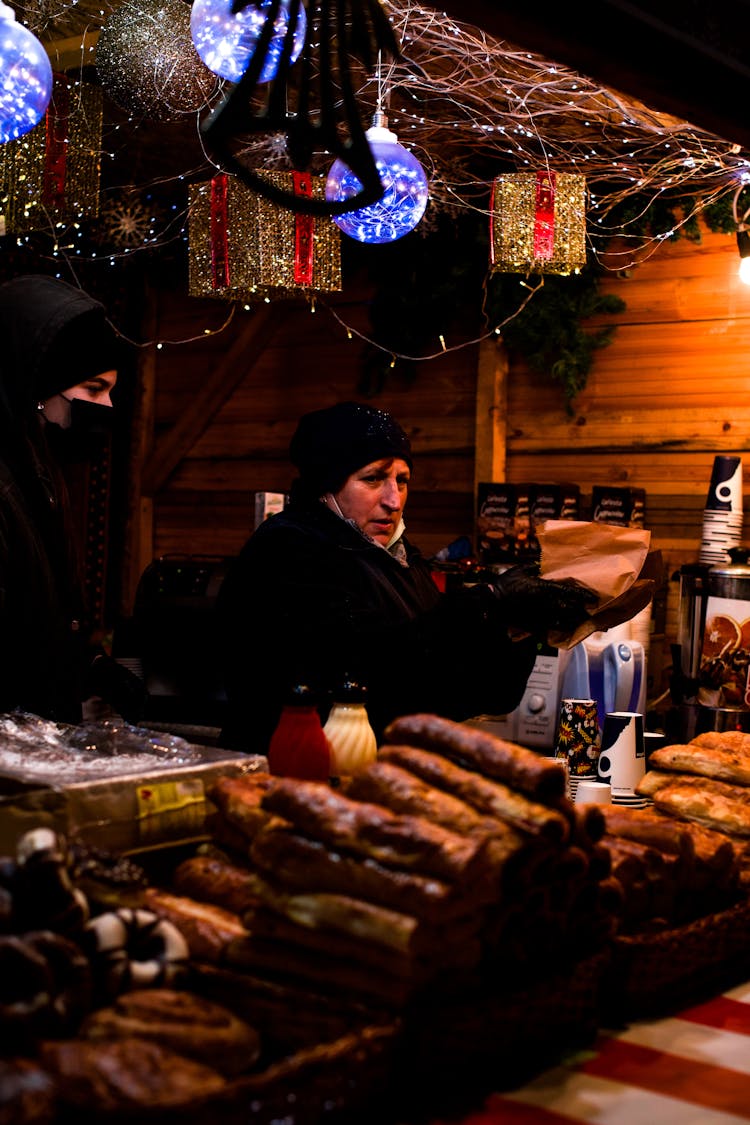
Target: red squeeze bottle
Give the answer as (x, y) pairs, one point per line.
(298, 746)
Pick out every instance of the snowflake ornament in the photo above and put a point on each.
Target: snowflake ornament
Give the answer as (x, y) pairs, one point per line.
(126, 223)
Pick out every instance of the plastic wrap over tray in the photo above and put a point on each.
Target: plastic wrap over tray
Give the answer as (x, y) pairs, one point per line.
(117, 786)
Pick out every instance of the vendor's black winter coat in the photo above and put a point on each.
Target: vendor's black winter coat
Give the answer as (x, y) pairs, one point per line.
(311, 600)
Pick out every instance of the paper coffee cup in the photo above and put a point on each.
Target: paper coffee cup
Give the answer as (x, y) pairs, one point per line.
(578, 736)
(622, 759)
(652, 740)
(577, 740)
(593, 792)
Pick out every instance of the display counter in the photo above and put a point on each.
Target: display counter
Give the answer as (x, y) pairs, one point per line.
(442, 936)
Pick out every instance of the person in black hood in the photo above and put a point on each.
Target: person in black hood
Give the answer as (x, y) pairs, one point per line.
(58, 367)
(331, 589)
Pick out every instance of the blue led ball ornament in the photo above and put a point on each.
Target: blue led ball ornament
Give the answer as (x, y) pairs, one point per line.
(25, 78)
(225, 40)
(404, 199)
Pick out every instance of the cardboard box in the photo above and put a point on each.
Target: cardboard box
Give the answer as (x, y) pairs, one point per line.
(551, 502)
(502, 521)
(554, 502)
(625, 507)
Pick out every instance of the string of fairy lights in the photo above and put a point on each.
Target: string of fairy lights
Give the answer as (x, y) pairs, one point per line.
(483, 97)
(460, 100)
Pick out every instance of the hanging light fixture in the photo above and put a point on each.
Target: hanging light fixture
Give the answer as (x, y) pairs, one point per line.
(226, 39)
(405, 186)
(405, 190)
(26, 84)
(743, 235)
(326, 116)
(147, 64)
(743, 245)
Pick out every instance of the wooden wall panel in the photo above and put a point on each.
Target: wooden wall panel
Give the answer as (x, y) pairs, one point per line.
(682, 280)
(670, 392)
(205, 507)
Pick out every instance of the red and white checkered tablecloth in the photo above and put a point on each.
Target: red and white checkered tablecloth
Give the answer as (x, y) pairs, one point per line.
(689, 1069)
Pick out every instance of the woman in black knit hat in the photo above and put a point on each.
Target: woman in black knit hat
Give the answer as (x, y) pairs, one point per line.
(58, 366)
(331, 588)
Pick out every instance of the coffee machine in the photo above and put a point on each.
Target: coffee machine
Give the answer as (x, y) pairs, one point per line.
(608, 667)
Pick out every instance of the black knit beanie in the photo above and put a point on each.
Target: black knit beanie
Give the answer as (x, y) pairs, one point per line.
(331, 444)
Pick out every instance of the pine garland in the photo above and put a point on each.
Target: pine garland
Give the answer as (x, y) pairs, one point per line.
(549, 331)
(422, 283)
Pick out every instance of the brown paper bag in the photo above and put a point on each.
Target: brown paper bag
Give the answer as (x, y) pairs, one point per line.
(605, 558)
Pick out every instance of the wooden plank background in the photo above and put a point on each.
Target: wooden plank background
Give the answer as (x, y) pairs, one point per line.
(669, 393)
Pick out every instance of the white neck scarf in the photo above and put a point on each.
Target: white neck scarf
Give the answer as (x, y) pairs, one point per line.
(394, 546)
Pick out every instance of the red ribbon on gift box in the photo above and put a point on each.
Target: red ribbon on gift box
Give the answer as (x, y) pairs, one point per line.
(56, 147)
(303, 233)
(218, 233)
(544, 215)
(493, 204)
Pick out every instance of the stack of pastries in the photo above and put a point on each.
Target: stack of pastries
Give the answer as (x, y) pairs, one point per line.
(451, 870)
(671, 871)
(96, 1017)
(706, 782)
(455, 858)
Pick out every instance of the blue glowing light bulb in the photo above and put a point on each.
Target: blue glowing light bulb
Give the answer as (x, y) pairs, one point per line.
(404, 199)
(225, 40)
(25, 78)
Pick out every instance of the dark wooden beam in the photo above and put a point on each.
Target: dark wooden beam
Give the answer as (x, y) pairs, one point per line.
(690, 61)
(239, 361)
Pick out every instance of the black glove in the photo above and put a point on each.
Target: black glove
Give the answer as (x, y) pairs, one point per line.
(537, 605)
(122, 689)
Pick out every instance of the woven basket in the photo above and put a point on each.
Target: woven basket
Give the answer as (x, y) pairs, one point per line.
(653, 974)
(344, 1077)
(458, 1047)
(338, 1080)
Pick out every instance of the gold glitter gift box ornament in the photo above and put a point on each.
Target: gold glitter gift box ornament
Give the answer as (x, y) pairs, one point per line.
(50, 177)
(538, 223)
(244, 247)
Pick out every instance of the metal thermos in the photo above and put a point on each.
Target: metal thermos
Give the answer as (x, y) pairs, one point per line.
(723, 692)
(691, 620)
(732, 580)
(714, 644)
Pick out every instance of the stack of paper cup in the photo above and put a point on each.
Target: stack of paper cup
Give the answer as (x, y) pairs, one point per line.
(722, 515)
(578, 740)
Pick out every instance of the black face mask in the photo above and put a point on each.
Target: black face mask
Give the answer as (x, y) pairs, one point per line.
(90, 417)
(83, 438)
